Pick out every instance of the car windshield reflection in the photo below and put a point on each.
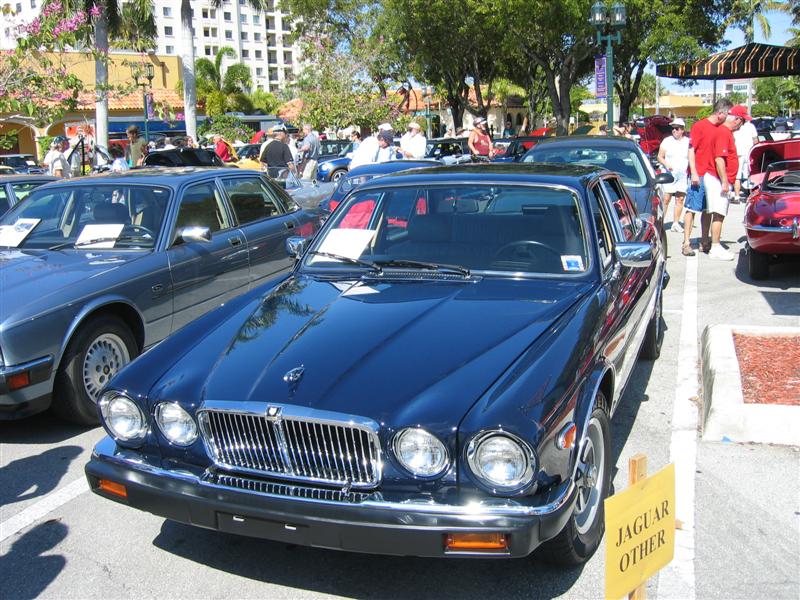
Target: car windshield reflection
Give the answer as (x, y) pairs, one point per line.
(622, 161)
(456, 229)
(122, 216)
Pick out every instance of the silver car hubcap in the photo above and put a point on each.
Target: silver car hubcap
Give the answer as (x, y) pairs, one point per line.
(106, 355)
(591, 476)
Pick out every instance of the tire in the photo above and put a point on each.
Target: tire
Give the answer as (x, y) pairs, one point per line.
(654, 336)
(757, 264)
(97, 351)
(337, 175)
(582, 534)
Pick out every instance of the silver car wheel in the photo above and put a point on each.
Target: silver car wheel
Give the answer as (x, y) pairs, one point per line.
(104, 357)
(591, 477)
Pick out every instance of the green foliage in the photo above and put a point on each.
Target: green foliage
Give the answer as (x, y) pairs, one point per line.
(703, 113)
(228, 126)
(267, 102)
(44, 143)
(223, 91)
(745, 14)
(778, 93)
(737, 97)
(216, 104)
(762, 110)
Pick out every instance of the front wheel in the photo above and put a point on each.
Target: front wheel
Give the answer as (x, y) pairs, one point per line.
(97, 352)
(581, 536)
(337, 175)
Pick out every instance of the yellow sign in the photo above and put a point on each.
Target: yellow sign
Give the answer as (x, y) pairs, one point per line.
(640, 532)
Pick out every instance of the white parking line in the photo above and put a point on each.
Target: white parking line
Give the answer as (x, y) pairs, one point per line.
(42, 507)
(677, 580)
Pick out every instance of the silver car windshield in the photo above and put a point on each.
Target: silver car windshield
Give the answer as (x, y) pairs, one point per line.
(96, 216)
(622, 161)
(470, 227)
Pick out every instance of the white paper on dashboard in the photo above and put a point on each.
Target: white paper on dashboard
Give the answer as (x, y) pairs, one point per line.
(13, 235)
(99, 231)
(345, 242)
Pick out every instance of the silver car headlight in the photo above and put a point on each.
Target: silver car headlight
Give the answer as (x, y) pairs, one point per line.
(176, 424)
(420, 452)
(123, 417)
(501, 460)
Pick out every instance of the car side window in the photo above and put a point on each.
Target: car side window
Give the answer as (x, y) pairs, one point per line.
(21, 190)
(603, 231)
(4, 201)
(202, 206)
(623, 210)
(250, 200)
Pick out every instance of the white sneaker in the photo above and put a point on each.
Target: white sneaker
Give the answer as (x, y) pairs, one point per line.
(676, 227)
(718, 252)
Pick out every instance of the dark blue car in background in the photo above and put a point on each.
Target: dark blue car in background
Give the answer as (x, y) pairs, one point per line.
(436, 376)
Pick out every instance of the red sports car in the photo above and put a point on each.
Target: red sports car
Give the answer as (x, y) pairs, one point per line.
(772, 217)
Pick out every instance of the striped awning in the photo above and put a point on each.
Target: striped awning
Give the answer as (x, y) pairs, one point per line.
(745, 62)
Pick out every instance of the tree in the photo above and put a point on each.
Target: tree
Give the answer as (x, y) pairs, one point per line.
(663, 31)
(34, 84)
(737, 97)
(137, 27)
(224, 91)
(266, 102)
(744, 14)
(230, 127)
(188, 60)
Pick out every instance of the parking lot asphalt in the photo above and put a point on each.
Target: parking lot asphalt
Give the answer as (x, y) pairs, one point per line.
(73, 544)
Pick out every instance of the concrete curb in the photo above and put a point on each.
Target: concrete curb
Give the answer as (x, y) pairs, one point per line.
(725, 415)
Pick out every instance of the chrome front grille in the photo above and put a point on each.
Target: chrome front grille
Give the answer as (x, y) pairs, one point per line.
(283, 489)
(313, 446)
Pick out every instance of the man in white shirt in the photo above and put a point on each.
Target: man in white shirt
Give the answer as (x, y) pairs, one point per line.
(673, 154)
(413, 143)
(56, 162)
(368, 150)
(745, 138)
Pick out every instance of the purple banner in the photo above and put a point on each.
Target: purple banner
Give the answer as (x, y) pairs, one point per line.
(600, 89)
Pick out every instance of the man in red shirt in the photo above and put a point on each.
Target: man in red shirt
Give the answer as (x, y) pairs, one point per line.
(706, 180)
(222, 149)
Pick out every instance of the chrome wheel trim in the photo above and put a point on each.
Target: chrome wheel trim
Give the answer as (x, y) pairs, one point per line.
(104, 357)
(592, 474)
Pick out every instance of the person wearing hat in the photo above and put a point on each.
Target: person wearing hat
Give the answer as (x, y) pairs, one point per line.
(413, 143)
(745, 138)
(479, 142)
(275, 153)
(136, 149)
(370, 149)
(386, 148)
(673, 154)
(55, 161)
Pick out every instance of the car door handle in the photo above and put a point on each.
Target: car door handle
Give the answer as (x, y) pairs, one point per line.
(288, 224)
(235, 241)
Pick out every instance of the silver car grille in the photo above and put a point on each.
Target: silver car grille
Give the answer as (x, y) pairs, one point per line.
(341, 452)
(282, 489)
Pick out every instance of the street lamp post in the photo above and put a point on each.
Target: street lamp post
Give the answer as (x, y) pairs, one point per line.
(602, 20)
(427, 92)
(146, 72)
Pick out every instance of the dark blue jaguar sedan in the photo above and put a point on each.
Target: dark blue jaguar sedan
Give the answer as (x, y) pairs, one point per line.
(435, 377)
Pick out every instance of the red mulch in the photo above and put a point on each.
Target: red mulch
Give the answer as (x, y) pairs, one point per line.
(770, 368)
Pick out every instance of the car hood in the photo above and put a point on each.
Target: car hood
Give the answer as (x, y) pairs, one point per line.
(30, 278)
(398, 352)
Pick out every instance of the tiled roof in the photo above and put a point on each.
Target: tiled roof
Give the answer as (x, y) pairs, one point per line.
(132, 101)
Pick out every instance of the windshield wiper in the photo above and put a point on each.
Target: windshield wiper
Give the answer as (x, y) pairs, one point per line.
(346, 259)
(123, 238)
(415, 264)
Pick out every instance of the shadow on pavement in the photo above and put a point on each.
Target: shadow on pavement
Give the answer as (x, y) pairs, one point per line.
(43, 428)
(783, 274)
(364, 576)
(35, 476)
(25, 571)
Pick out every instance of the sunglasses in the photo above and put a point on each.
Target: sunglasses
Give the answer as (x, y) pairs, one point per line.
(676, 128)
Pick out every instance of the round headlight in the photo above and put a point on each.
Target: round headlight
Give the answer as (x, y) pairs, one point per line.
(420, 452)
(176, 424)
(501, 461)
(122, 416)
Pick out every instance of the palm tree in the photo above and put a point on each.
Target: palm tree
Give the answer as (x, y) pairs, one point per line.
(131, 23)
(188, 58)
(746, 13)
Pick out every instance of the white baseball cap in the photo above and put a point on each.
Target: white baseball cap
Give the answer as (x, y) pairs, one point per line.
(678, 123)
(385, 127)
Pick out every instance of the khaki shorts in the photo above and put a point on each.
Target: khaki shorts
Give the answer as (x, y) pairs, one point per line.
(310, 169)
(716, 202)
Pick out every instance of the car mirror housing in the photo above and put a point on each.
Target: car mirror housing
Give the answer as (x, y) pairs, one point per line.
(194, 234)
(664, 178)
(634, 254)
(296, 246)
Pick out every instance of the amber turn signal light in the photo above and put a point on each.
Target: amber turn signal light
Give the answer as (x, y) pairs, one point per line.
(117, 489)
(18, 380)
(476, 541)
(566, 439)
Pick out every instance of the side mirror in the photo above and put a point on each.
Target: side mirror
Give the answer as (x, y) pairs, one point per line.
(296, 246)
(664, 178)
(193, 234)
(634, 254)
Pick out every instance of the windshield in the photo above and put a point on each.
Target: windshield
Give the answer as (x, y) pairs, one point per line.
(783, 176)
(623, 161)
(18, 161)
(123, 216)
(479, 227)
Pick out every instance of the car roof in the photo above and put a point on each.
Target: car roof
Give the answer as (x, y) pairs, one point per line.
(588, 141)
(13, 155)
(391, 167)
(170, 176)
(510, 173)
(23, 178)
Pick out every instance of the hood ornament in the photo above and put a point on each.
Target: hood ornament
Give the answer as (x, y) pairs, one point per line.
(294, 375)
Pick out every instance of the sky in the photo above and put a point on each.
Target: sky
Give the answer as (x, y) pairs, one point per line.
(779, 23)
